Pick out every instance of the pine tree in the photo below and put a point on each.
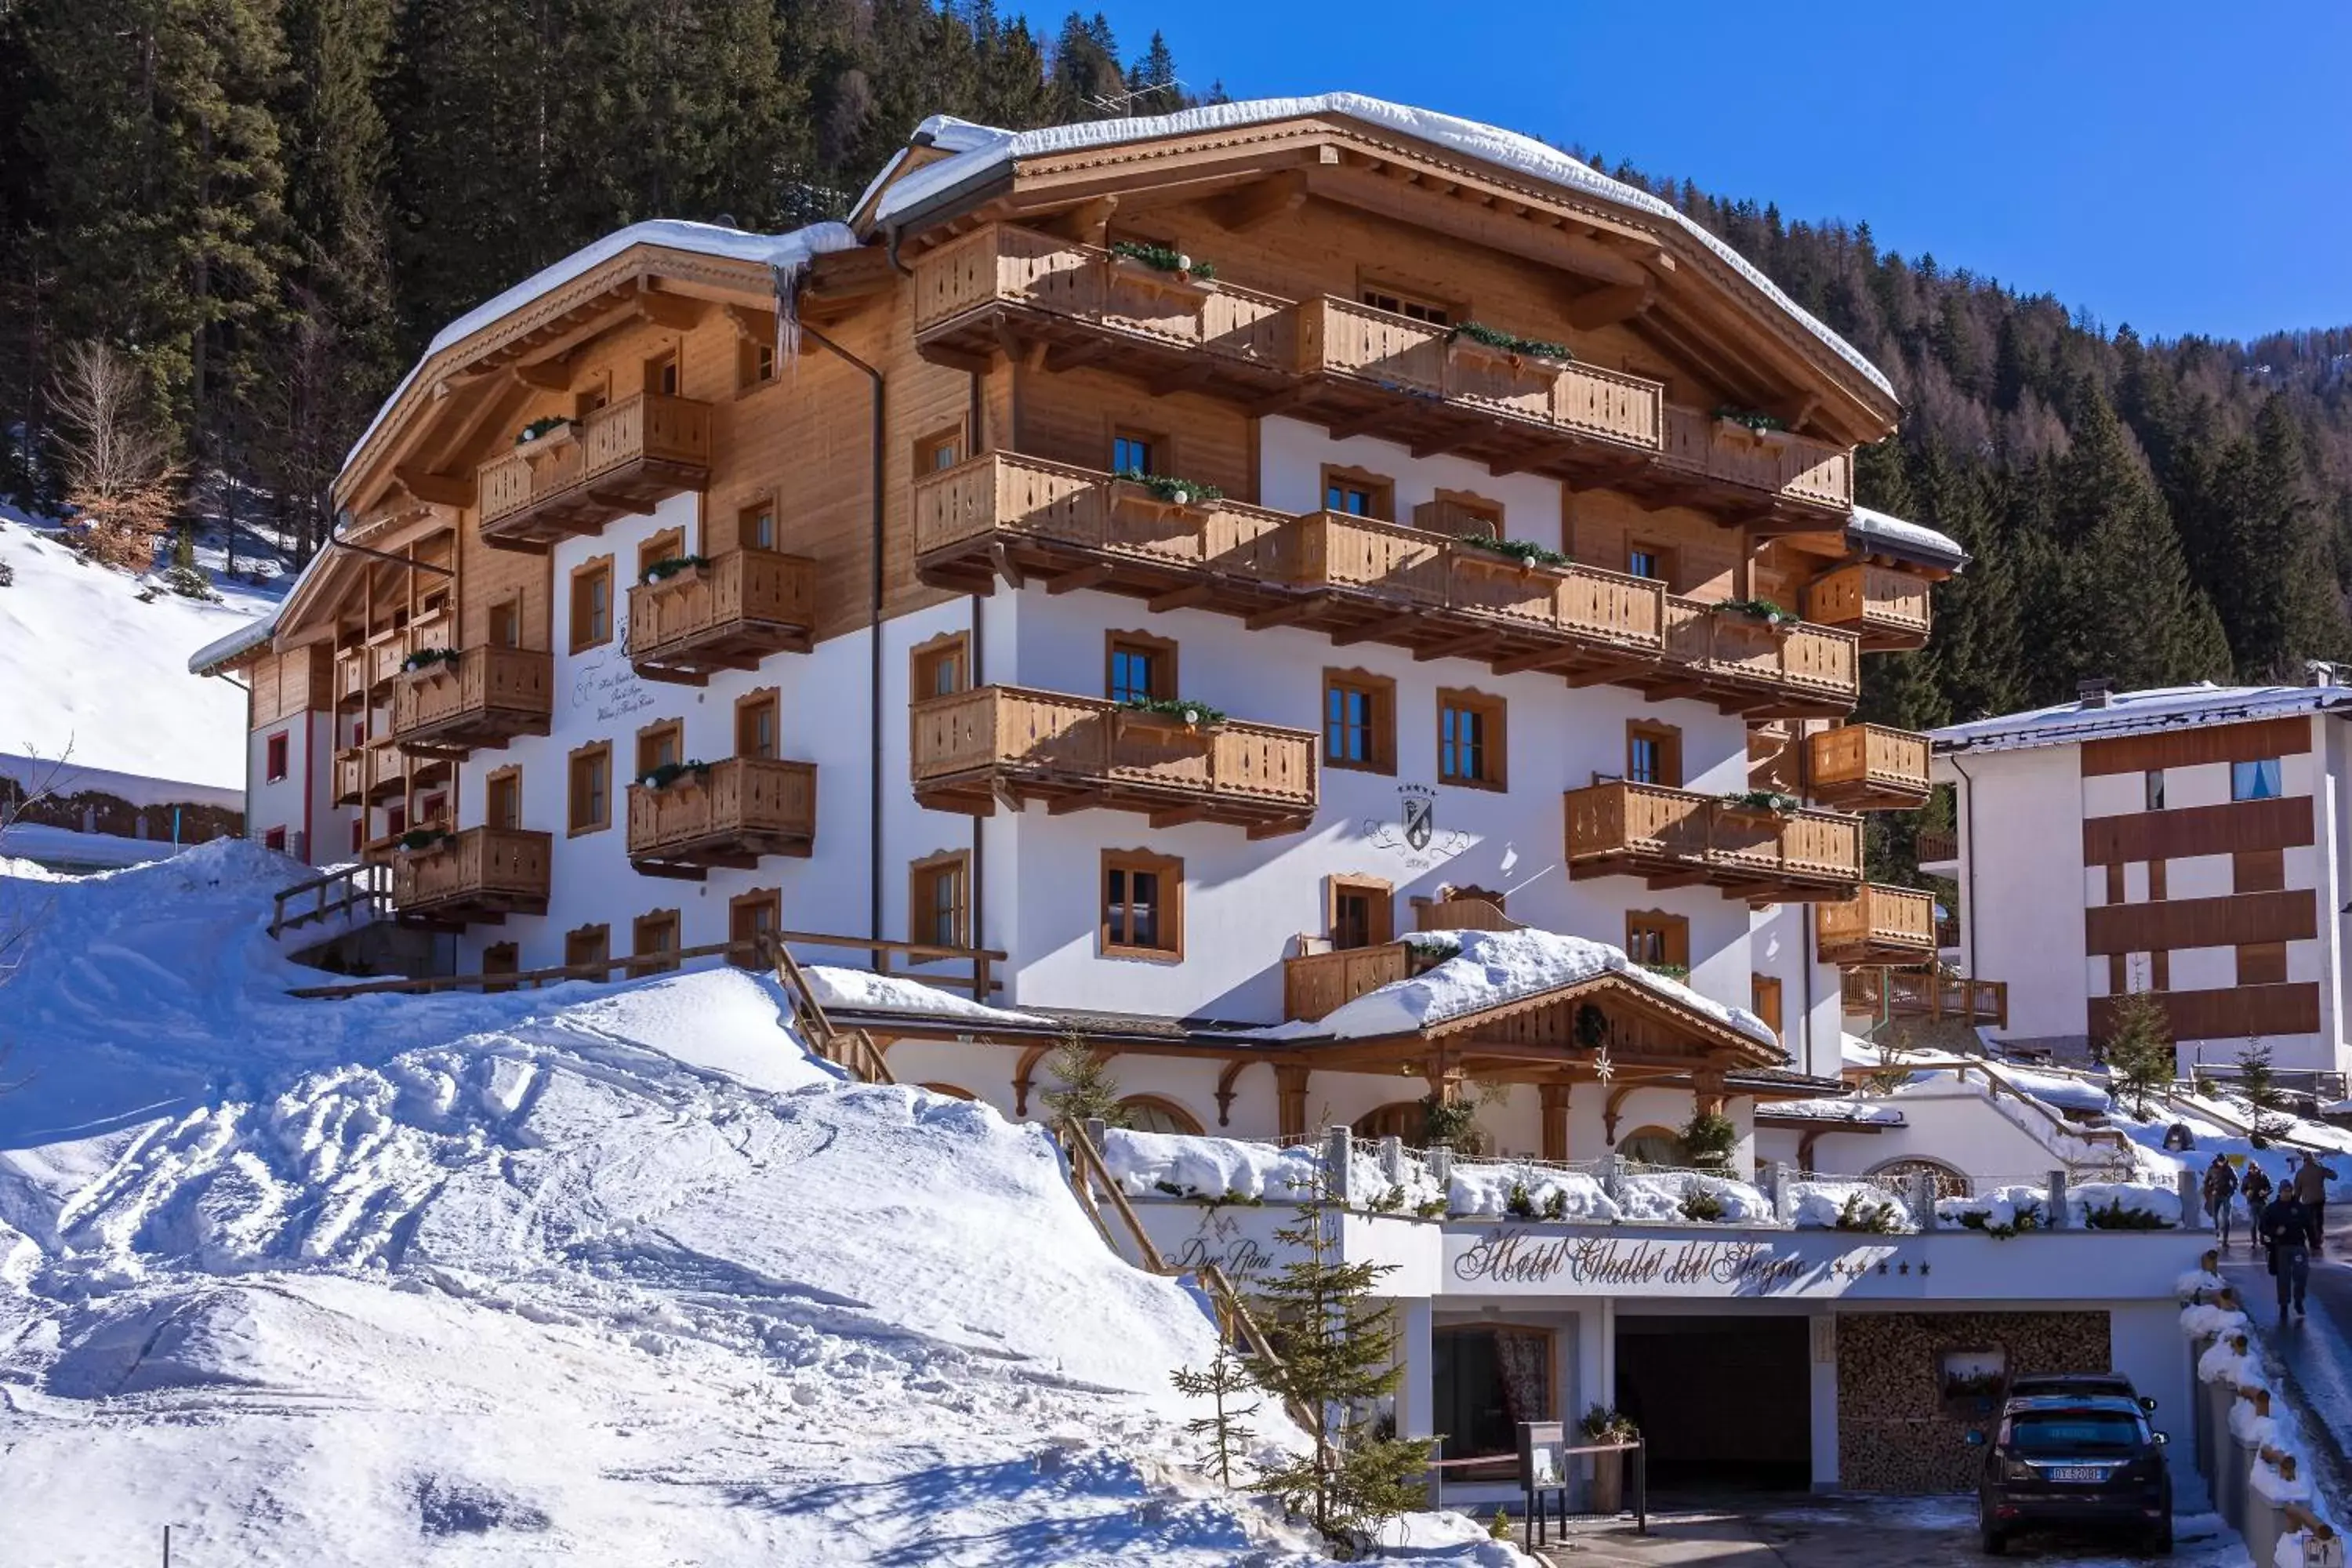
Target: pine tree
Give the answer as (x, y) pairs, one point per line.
(1088, 1092)
(1223, 1381)
(1336, 1340)
(1153, 78)
(2138, 1047)
(2258, 1086)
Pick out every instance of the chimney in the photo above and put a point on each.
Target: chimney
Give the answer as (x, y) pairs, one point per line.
(2319, 672)
(2093, 693)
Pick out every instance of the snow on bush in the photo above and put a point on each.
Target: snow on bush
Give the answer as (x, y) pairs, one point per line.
(1827, 1205)
(2204, 1321)
(2223, 1363)
(1669, 1196)
(1211, 1170)
(2002, 1211)
(1488, 1191)
(2123, 1206)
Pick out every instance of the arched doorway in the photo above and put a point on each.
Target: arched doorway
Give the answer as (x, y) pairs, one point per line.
(1661, 1146)
(1950, 1183)
(1150, 1113)
(1404, 1119)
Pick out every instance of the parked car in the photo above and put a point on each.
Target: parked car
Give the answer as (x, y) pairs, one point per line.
(2040, 1385)
(2076, 1460)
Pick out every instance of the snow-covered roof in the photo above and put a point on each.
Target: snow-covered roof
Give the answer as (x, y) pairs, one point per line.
(1878, 531)
(1864, 1112)
(1494, 969)
(2138, 713)
(862, 991)
(246, 638)
(977, 152)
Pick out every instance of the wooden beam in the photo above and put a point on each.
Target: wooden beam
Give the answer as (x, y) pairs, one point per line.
(547, 375)
(1281, 614)
(1533, 458)
(1088, 221)
(1534, 658)
(1602, 674)
(1607, 307)
(679, 312)
(1262, 203)
(1182, 599)
(1232, 1070)
(1184, 380)
(1084, 577)
(1178, 816)
(1374, 631)
(1281, 402)
(1071, 356)
(1465, 646)
(1370, 422)
(437, 489)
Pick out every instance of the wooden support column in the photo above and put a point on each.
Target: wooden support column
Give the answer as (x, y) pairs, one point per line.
(1707, 1091)
(1554, 1099)
(1290, 1095)
(1022, 1080)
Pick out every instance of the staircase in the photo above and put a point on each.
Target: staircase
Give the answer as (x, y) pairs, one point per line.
(343, 922)
(853, 1049)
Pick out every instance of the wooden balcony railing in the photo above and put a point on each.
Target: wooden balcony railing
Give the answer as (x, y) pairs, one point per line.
(481, 874)
(1879, 992)
(731, 814)
(622, 457)
(1672, 838)
(1867, 767)
(994, 743)
(1880, 924)
(728, 615)
(351, 775)
(1790, 468)
(1792, 671)
(491, 695)
(1886, 608)
(1936, 847)
(1315, 985)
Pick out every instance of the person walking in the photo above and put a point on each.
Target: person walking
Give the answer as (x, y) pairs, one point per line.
(2285, 1229)
(2256, 1186)
(2310, 1186)
(2220, 1187)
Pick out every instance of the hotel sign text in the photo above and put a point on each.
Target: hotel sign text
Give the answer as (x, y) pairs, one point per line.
(1508, 1260)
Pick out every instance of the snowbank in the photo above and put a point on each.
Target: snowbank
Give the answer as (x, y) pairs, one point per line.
(1174, 1164)
(859, 990)
(1820, 1204)
(1662, 1196)
(1545, 1194)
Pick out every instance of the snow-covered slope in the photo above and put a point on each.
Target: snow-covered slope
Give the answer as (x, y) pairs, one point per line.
(594, 1274)
(83, 663)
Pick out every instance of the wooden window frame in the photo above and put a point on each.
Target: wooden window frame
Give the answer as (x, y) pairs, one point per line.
(1163, 445)
(579, 937)
(506, 781)
(582, 575)
(575, 823)
(769, 899)
(1382, 691)
(2262, 963)
(595, 391)
(1764, 1000)
(1674, 931)
(1668, 739)
(926, 657)
(671, 357)
(749, 344)
(767, 699)
(1166, 1107)
(649, 736)
(1170, 870)
(669, 544)
(954, 437)
(1379, 488)
(923, 877)
(508, 610)
(1494, 741)
(2151, 786)
(1382, 896)
(273, 838)
(749, 511)
(1667, 556)
(1403, 300)
(2276, 764)
(277, 757)
(1160, 650)
(643, 960)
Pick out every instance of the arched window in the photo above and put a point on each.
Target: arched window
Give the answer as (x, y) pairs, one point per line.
(1651, 1146)
(1404, 1119)
(950, 1090)
(1950, 1183)
(1150, 1113)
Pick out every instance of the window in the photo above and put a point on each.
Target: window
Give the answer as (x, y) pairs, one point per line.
(1150, 1113)
(1359, 494)
(653, 942)
(2152, 787)
(273, 838)
(592, 603)
(2258, 871)
(1362, 911)
(274, 757)
(1143, 909)
(591, 805)
(500, 958)
(2256, 780)
(1470, 740)
(595, 395)
(1656, 940)
(358, 832)
(661, 745)
(506, 623)
(395, 819)
(1461, 514)
(938, 905)
(755, 525)
(502, 798)
(939, 449)
(1652, 561)
(1402, 303)
(589, 949)
(433, 809)
(1764, 999)
(755, 350)
(939, 667)
(1653, 754)
(1134, 452)
(1142, 667)
(669, 544)
(1359, 721)
(755, 724)
(661, 372)
(2262, 963)
(751, 919)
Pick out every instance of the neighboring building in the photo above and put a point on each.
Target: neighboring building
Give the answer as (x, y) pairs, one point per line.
(821, 538)
(2188, 841)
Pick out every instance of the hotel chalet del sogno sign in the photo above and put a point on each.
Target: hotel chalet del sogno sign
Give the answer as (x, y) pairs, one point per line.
(1506, 1261)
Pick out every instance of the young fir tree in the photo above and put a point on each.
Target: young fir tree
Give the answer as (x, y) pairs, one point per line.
(1223, 1381)
(2138, 1046)
(1087, 1091)
(1337, 1342)
(2258, 1085)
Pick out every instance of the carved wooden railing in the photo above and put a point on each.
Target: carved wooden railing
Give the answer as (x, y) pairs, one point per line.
(647, 427)
(1728, 643)
(1878, 917)
(1867, 757)
(504, 862)
(755, 796)
(1864, 597)
(1777, 463)
(487, 678)
(1649, 823)
(738, 587)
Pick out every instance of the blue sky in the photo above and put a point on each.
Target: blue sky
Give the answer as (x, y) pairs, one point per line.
(2183, 168)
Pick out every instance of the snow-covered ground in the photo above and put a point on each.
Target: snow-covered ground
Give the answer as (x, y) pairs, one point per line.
(86, 664)
(605, 1274)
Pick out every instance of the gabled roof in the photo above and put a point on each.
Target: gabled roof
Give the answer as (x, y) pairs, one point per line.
(979, 154)
(2138, 713)
(1878, 533)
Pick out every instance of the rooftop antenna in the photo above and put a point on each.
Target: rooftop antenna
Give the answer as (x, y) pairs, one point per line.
(1122, 105)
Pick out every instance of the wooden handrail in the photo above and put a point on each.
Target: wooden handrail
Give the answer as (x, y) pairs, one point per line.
(367, 884)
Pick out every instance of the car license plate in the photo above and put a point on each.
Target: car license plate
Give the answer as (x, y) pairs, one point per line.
(2078, 1473)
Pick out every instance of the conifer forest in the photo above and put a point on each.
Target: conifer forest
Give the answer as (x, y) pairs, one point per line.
(270, 205)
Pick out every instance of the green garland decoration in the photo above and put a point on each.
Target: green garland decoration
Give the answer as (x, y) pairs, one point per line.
(1757, 609)
(1165, 258)
(1511, 342)
(538, 428)
(1771, 800)
(1173, 490)
(1195, 715)
(417, 840)
(669, 774)
(1525, 551)
(427, 657)
(1756, 419)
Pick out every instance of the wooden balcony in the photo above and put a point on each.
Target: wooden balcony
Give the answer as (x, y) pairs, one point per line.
(1315, 985)
(480, 875)
(351, 775)
(744, 605)
(1887, 609)
(489, 696)
(623, 458)
(741, 809)
(1006, 743)
(1937, 846)
(1794, 671)
(1706, 458)
(1879, 992)
(1880, 924)
(1867, 767)
(1676, 837)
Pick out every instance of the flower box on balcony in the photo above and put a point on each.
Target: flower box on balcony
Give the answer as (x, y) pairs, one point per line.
(541, 435)
(675, 566)
(677, 775)
(1171, 718)
(427, 663)
(1152, 497)
(1772, 617)
(1505, 356)
(1159, 268)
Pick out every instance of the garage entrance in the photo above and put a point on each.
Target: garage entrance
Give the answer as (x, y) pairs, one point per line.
(1722, 1402)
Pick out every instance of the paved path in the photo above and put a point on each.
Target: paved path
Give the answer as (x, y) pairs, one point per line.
(1863, 1532)
(2314, 1349)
